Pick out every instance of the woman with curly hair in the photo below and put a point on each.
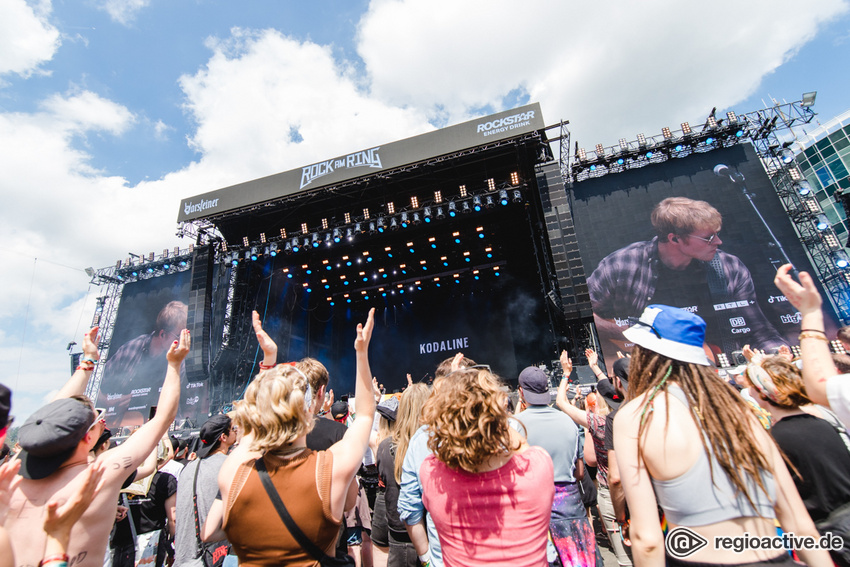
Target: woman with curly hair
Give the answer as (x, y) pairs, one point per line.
(688, 440)
(275, 418)
(815, 447)
(489, 493)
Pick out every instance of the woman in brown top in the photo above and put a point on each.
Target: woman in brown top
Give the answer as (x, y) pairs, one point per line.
(275, 418)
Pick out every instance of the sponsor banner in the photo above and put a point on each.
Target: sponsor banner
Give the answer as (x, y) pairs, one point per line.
(507, 124)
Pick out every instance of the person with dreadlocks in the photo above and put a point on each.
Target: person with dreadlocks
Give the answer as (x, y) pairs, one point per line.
(688, 439)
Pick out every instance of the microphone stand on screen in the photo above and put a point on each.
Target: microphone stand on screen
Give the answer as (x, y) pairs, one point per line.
(736, 177)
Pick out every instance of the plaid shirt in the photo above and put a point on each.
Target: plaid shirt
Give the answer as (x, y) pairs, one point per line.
(624, 283)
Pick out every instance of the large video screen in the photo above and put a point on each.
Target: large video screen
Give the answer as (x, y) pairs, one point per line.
(150, 316)
(677, 233)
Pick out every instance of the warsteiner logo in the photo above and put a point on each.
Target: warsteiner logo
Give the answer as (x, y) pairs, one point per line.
(366, 158)
(682, 542)
(189, 208)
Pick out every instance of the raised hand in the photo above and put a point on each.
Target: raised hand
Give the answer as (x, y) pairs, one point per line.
(364, 333)
(456, 361)
(804, 295)
(268, 346)
(592, 357)
(329, 402)
(9, 480)
(179, 349)
(566, 363)
(90, 344)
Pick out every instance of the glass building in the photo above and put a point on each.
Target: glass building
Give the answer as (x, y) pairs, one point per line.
(825, 162)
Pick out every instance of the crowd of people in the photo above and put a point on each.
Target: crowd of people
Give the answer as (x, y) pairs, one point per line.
(456, 473)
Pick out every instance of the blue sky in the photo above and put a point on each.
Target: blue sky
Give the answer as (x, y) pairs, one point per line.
(111, 111)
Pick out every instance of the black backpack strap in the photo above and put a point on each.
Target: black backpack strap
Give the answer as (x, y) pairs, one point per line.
(293, 528)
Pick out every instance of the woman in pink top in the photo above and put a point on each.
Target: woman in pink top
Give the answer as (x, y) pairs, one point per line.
(489, 493)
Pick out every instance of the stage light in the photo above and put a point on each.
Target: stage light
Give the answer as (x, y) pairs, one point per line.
(166, 266)
(438, 197)
(593, 167)
(666, 133)
(372, 228)
(623, 145)
(414, 202)
(440, 213)
(416, 219)
(337, 235)
(349, 233)
(821, 222)
(452, 209)
(405, 220)
(366, 213)
(517, 196)
(808, 99)
(184, 263)
(381, 224)
(462, 189)
(712, 121)
(304, 228)
(739, 133)
(488, 202)
(283, 233)
(328, 239)
(503, 197)
(135, 273)
(491, 184)
(465, 208)
(786, 155)
(621, 161)
(803, 187)
(273, 248)
(295, 244)
(600, 150)
(841, 259)
(731, 117)
(391, 208)
(582, 154)
(649, 155)
(315, 240)
(426, 212)
(641, 140)
(679, 148)
(709, 141)
(244, 243)
(686, 128)
(476, 203)
(393, 224)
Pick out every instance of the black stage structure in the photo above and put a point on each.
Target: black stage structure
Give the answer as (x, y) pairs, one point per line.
(462, 239)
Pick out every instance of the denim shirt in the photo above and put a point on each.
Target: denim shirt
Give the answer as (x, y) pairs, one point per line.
(410, 506)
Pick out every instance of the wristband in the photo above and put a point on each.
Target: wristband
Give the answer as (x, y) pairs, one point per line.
(266, 366)
(88, 359)
(810, 335)
(813, 331)
(85, 368)
(58, 558)
(425, 559)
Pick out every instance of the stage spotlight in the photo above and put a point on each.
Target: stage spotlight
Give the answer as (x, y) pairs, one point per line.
(649, 155)
(786, 155)
(166, 266)
(328, 239)
(821, 222)
(273, 247)
(503, 197)
(288, 248)
(426, 212)
(808, 99)
(452, 209)
(709, 141)
(416, 219)
(803, 187)
(372, 228)
(405, 220)
(465, 208)
(349, 233)
(517, 196)
(440, 213)
(381, 224)
(358, 227)
(315, 240)
(337, 235)
(476, 203)
(296, 244)
(393, 224)
(488, 202)
(841, 259)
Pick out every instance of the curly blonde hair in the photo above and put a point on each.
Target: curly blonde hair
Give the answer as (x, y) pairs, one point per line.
(467, 418)
(788, 380)
(274, 408)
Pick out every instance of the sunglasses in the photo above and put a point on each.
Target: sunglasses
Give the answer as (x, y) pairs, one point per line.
(98, 418)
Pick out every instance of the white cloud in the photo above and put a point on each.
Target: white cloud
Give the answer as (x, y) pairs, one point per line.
(612, 71)
(27, 39)
(123, 11)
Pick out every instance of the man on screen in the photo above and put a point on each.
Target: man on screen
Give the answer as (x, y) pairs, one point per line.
(683, 267)
(132, 375)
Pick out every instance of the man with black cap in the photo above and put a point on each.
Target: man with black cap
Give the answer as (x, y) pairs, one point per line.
(198, 486)
(56, 441)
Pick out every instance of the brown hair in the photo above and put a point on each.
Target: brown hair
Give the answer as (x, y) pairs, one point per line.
(408, 421)
(468, 420)
(316, 373)
(172, 317)
(843, 335)
(724, 419)
(445, 367)
(842, 362)
(683, 216)
(790, 391)
(273, 408)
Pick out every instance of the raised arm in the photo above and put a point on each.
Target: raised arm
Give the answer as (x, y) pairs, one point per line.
(76, 385)
(268, 346)
(349, 451)
(139, 445)
(577, 415)
(814, 346)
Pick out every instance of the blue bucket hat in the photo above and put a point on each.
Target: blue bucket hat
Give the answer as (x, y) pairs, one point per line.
(672, 332)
